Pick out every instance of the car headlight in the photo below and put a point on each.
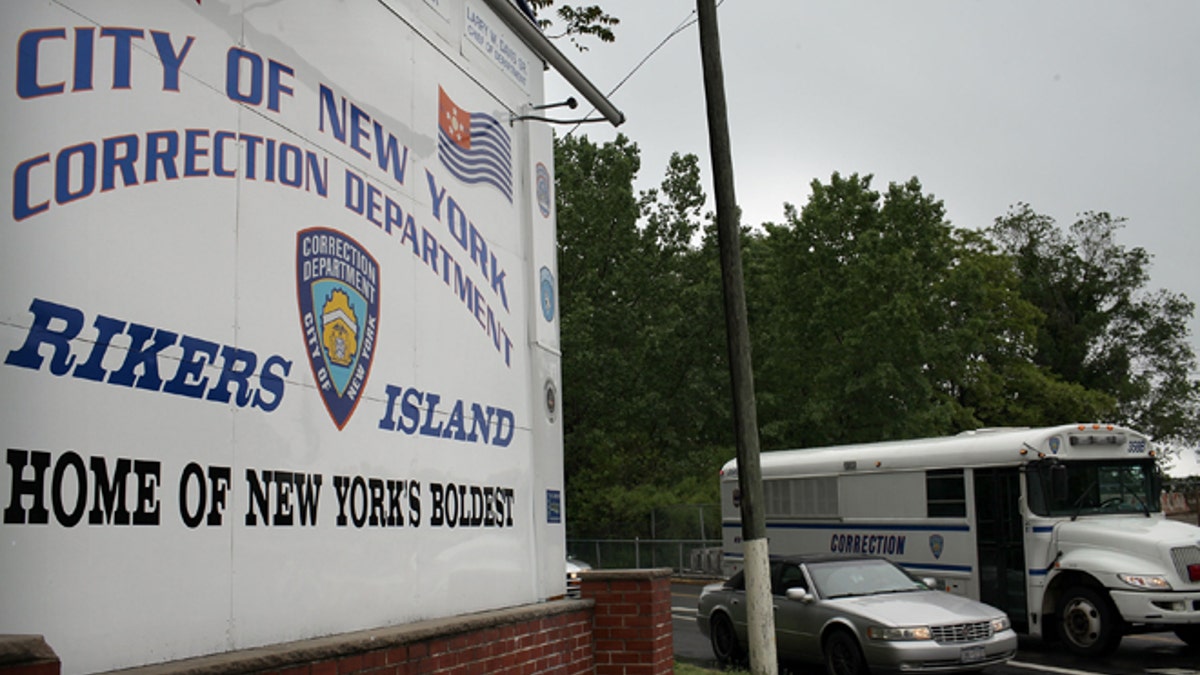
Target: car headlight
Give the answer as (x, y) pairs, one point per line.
(1001, 624)
(890, 634)
(1155, 582)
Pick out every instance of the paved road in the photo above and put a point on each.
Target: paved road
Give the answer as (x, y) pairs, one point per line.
(1151, 654)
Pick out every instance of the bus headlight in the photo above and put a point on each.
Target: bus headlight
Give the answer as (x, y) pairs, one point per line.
(890, 634)
(1152, 582)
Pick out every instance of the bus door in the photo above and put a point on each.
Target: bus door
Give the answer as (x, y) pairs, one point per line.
(1000, 542)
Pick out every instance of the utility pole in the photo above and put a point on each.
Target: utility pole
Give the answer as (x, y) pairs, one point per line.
(759, 614)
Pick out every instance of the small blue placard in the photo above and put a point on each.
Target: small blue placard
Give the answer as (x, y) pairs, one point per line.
(547, 287)
(553, 506)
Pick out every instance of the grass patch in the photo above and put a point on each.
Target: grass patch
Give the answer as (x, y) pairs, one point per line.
(691, 669)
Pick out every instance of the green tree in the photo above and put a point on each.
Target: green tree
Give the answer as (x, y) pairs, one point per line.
(638, 392)
(845, 333)
(875, 319)
(993, 376)
(1101, 328)
(597, 242)
(872, 319)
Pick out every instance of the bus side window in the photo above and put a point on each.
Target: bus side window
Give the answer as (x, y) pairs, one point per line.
(945, 493)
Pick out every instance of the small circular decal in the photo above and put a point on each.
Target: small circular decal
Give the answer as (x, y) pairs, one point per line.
(551, 400)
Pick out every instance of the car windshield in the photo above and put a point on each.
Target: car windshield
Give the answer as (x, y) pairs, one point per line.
(844, 578)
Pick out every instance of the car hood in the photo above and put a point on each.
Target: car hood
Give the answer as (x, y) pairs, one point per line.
(917, 608)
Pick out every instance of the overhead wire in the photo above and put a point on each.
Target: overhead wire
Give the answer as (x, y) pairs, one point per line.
(688, 21)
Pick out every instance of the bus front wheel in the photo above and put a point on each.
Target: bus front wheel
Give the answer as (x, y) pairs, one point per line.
(1087, 622)
(1190, 635)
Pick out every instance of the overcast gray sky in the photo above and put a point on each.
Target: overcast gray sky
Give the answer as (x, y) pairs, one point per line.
(1068, 105)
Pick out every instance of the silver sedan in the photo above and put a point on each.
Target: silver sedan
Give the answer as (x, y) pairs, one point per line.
(856, 614)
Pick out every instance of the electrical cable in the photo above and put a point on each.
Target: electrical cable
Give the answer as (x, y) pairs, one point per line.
(688, 21)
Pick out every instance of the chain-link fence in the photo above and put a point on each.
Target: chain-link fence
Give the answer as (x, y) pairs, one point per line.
(684, 537)
(684, 556)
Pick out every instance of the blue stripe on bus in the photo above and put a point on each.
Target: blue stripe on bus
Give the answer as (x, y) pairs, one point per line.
(922, 566)
(939, 568)
(942, 568)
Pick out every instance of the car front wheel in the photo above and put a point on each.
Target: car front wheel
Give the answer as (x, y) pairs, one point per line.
(1087, 622)
(843, 655)
(724, 640)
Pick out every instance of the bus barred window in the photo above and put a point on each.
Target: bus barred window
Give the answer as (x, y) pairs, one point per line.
(777, 494)
(945, 493)
(791, 497)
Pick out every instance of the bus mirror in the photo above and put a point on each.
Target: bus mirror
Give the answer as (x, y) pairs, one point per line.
(1058, 482)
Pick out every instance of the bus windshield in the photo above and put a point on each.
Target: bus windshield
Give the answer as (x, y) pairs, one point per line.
(1093, 487)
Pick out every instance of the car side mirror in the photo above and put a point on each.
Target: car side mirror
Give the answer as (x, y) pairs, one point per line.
(799, 595)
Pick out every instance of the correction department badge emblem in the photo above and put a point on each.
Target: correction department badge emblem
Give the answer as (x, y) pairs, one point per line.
(937, 544)
(337, 287)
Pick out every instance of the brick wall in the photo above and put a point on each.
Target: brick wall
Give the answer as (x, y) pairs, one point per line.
(632, 624)
(622, 626)
(551, 638)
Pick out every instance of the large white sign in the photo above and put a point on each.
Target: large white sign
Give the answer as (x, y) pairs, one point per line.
(278, 334)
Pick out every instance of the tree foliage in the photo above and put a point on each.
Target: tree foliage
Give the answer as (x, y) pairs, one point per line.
(1100, 327)
(641, 389)
(872, 318)
(847, 334)
(577, 20)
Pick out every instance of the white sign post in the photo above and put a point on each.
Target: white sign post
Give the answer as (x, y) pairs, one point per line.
(278, 337)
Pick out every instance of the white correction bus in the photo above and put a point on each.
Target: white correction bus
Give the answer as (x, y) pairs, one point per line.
(1061, 527)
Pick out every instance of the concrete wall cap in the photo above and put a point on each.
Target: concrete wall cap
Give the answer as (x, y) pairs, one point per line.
(16, 649)
(278, 656)
(626, 575)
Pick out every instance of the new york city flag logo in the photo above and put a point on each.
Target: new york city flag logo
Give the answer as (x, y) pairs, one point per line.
(337, 286)
(474, 147)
